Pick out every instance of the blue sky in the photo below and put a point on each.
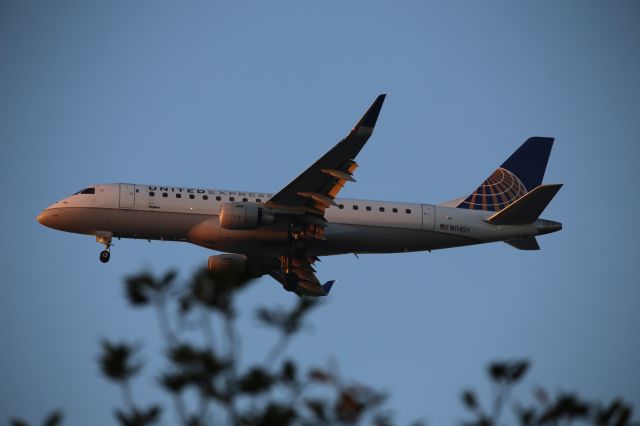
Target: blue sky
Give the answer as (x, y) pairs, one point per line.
(245, 95)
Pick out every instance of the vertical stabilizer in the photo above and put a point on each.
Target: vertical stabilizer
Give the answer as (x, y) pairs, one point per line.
(519, 174)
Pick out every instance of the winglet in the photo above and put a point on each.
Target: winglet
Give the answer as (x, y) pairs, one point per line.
(368, 120)
(326, 287)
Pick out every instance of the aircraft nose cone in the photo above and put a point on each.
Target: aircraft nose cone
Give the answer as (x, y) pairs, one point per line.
(42, 218)
(45, 217)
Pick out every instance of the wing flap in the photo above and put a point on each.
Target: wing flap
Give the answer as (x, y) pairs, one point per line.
(308, 284)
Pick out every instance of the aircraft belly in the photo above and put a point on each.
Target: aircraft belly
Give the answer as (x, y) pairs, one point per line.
(126, 223)
(264, 242)
(344, 238)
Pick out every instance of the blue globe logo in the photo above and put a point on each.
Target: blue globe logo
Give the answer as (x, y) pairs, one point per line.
(497, 192)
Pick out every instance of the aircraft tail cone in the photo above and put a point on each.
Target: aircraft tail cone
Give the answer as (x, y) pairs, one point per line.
(548, 226)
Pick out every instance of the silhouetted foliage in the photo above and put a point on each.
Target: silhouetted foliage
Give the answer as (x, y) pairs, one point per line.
(565, 409)
(207, 385)
(272, 393)
(116, 361)
(53, 419)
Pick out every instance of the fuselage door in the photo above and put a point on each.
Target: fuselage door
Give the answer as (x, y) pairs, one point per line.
(127, 196)
(428, 216)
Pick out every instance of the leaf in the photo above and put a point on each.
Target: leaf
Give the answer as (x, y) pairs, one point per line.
(508, 372)
(541, 395)
(497, 371)
(348, 408)
(174, 382)
(469, 400)
(136, 293)
(517, 370)
(139, 417)
(116, 361)
(565, 407)
(215, 292)
(277, 414)
(288, 373)
(194, 367)
(382, 419)
(526, 416)
(256, 381)
(290, 321)
(318, 408)
(168, 277)
(53, 419)
(321, 376)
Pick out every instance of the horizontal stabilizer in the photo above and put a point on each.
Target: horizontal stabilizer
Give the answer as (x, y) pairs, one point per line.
(526, 209)
(529, 243)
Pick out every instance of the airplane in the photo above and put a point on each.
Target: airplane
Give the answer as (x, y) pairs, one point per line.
(284, 234)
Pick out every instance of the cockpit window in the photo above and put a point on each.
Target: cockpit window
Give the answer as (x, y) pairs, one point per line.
(86, 191)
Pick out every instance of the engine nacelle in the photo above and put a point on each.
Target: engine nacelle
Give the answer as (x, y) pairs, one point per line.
(244, 216)
(228, 265)
(235, 267)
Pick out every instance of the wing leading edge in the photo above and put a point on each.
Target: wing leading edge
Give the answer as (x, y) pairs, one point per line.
(319, 184)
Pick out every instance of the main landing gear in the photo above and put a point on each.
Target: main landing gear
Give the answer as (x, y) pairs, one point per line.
(296, 249)
(104, 238)
(290, 281)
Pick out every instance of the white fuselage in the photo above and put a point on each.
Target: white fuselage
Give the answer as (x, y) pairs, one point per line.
(354, 226)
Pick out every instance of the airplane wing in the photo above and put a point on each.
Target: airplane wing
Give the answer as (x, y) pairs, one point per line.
(310, 194)
(308, 284)
(318, 186)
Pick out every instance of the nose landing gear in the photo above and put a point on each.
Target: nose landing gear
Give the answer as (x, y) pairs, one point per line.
(104, 238)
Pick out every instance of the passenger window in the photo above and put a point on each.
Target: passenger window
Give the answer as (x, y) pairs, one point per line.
(368, 208)
(164, 194)
(232, 199)
(192, 196)
(408, 211)
(395, 210)
(151, 193)
(204, 197)
(218, 198)
(381, 209)
(341, 206)
(178, 195)
(245, 200)
(355, 207)
(258, 200)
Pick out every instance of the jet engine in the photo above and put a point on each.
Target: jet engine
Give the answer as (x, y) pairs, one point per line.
(227, 264)
(244, 216)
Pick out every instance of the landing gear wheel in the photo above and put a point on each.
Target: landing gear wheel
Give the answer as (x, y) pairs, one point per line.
(291, 282)
(105, 255)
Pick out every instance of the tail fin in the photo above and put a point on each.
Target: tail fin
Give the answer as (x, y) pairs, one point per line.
(521, 173)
